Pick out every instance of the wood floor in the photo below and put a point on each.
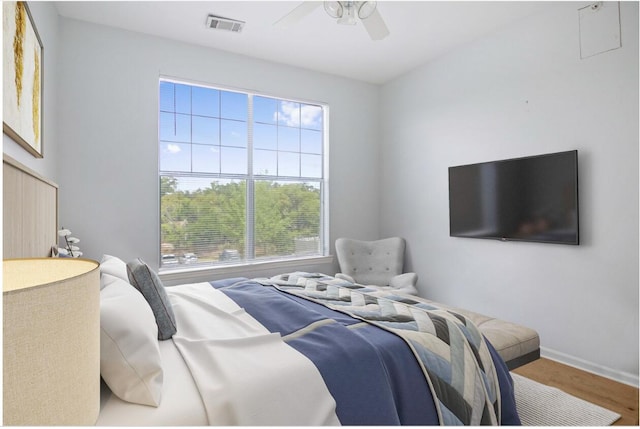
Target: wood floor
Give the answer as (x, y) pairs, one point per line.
(618, 397)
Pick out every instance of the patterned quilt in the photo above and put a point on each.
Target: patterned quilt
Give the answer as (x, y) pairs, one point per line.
(452, 353)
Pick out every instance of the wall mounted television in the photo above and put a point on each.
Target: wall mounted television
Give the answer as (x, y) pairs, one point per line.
(533, 198)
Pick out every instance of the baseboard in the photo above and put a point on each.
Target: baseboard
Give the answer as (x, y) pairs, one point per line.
(613, 374)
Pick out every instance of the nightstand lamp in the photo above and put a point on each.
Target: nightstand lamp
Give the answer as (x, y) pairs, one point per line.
(51, 350)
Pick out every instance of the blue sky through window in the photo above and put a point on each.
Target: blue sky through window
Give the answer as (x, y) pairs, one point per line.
(205, 130)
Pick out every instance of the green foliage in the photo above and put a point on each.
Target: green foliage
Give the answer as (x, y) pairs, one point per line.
(168, 185)
(206, 221)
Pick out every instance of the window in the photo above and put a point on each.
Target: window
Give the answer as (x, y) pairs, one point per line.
(241, 176)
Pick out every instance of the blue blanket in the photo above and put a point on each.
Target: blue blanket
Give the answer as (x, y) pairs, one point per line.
(372, 374)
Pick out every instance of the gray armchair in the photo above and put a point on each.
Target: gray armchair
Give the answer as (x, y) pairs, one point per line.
(377, 263)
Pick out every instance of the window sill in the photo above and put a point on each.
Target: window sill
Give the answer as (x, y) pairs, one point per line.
(172, 277)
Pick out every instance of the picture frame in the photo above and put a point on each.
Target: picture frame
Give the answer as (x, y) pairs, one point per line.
(23, 64)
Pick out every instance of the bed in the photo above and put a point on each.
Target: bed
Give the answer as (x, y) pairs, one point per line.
(308, 349)
(297, 349)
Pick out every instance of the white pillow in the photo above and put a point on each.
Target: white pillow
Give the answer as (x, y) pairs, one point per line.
(130, 360)
(113, 266)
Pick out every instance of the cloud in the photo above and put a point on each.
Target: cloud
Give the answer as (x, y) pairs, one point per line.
(173, 148)
(295, 115)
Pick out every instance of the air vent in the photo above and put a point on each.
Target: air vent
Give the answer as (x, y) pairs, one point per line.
(221, 23)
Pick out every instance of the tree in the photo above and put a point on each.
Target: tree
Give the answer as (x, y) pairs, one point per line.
(168, 185)
(207, 220)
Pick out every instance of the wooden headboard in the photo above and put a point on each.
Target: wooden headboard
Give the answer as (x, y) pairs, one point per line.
(30, 212)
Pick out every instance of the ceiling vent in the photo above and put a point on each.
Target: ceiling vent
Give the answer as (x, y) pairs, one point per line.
(222, 23)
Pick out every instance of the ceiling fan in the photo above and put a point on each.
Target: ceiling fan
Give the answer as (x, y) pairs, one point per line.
(345, 12)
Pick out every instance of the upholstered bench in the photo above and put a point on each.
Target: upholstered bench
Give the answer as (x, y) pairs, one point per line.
(516, 344)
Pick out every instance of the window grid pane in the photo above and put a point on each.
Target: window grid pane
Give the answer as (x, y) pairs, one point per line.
(206, 158)
(212, 143)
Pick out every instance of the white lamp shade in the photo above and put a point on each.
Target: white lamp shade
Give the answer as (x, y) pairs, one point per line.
(51, 347)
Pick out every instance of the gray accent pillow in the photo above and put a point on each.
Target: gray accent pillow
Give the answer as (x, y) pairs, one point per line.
(149, 284)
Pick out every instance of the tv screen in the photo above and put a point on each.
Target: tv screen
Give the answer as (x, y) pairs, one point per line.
(527, 199)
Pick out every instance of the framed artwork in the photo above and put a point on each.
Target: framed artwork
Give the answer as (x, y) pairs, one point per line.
(22, 56)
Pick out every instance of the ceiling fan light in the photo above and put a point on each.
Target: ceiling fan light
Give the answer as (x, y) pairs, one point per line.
(334, 9)
(348, 18)
(366, 9)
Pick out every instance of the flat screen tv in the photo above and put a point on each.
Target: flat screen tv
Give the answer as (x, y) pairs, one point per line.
(523, 199)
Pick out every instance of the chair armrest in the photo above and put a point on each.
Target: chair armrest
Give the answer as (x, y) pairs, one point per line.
(404, 283)
(403, 280)
(344, 277)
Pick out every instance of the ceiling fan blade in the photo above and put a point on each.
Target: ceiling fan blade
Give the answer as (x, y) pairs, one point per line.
(375, 26)
(302, 10)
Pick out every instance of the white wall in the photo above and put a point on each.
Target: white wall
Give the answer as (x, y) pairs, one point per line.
(519, 92)
(108, 132)
(45, 17)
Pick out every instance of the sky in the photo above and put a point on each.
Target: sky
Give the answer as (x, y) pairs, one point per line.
(206, 130)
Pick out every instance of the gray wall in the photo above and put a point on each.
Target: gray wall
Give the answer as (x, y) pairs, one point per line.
(109, 132)
(45, 17)
(525, 91)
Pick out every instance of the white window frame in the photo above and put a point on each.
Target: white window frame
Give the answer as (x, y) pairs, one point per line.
(250, 264)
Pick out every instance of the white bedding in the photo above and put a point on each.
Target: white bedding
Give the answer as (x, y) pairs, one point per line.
(180, 405)
(223, 367)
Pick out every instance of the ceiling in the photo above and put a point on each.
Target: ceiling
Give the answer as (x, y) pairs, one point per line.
(419, 30)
